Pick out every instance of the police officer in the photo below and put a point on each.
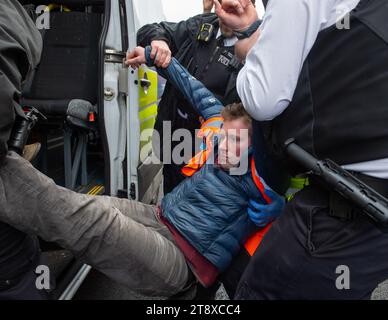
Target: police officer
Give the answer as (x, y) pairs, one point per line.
(317, 71)
(206, 48)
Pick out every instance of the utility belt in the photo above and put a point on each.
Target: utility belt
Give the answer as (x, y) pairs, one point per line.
(362, 193)
(344, 210)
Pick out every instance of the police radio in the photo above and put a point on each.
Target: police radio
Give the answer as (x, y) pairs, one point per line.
(206, 32)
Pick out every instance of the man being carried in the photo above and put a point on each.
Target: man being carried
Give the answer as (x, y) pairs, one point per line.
(207, 214)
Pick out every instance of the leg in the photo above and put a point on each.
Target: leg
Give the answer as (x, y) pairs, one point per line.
(19, 257)
(140, 256)
(299, 256)
(231, 277)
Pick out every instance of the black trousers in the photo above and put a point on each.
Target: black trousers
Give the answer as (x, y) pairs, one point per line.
(229, 278)
(302, 254)
(24, 289)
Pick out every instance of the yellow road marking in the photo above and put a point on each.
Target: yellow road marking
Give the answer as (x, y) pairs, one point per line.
(95, 190)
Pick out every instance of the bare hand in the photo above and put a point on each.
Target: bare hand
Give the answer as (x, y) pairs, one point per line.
(136, 58)
(208, 6)
(161, 53)
(236, 14)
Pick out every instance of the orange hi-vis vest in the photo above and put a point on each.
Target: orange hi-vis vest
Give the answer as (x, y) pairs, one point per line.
(210, 128)
(254, 241)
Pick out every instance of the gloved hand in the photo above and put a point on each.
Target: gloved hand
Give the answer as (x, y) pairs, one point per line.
(263, 214)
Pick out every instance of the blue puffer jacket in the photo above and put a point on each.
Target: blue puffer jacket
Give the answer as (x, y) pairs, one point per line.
(210, 211)
(210, 208)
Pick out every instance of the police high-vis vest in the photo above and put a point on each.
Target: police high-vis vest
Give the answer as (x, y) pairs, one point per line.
(340, 106)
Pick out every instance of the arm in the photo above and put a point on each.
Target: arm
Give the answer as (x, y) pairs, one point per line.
(7, 113)
(264, 213)
(20, 47)
(268, 81)
(163, 31)
(193, 90)
(204, 102)
(242, 47)
(174, 34)
(166, 38)
(265, 205)
(239, 15)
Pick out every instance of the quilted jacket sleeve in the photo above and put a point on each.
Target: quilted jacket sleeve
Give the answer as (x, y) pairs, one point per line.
(206, 104)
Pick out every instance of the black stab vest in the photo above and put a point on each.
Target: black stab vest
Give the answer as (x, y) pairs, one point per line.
(340, 106)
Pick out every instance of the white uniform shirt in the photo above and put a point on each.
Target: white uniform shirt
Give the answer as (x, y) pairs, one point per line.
(269, 78)
(228, 42)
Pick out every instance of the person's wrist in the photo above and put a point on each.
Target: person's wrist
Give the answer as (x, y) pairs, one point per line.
(251, 17)
(247, 32)
(248, 24)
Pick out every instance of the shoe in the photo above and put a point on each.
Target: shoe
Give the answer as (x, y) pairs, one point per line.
(31, 151)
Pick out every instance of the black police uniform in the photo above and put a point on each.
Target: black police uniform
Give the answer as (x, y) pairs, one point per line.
(209, 61)
(339, 111)
(19, 51)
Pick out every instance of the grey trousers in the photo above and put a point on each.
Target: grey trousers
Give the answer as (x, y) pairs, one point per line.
(123, 239)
